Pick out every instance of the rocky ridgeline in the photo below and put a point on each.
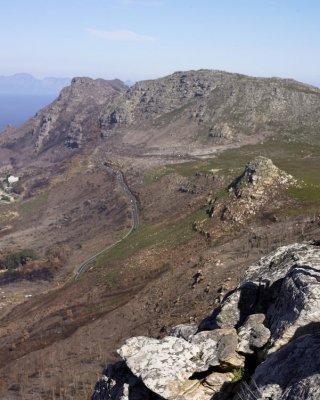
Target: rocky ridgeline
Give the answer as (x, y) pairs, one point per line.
(69, 121)
(66, 116)
(262, 342)
(222, 106)
(185, 112)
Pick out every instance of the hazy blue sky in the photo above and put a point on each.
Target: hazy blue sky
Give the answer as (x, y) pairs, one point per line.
(140, 39)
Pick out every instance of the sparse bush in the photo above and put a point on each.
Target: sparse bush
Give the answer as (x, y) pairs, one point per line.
(17, 188)
(15, 260)
(238, 374)
(58, 254)
(5, 198)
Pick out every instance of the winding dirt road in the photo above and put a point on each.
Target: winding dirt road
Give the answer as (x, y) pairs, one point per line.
(134, 225)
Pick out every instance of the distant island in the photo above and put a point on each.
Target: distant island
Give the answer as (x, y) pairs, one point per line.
(27, 84)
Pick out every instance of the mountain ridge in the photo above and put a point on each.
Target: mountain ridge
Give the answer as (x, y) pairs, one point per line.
(24, 83)
(203, 219)
(210, 108)
(188, 112)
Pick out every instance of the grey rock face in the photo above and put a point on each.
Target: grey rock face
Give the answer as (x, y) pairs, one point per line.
(253, 335)
(223, 353)
(226, 106)
(235, 308)
(184, 331)
(254, 188)
(287, 291)
(163, 365)
(277, 316)
(166, 366)
(297, 305)
(69, 121)
(229, 359)
(67, 116)
(292, 373)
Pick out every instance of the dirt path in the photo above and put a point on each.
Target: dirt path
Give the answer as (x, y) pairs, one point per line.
(134, 225)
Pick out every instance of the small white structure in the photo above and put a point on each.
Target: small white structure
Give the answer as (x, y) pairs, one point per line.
(12, 179)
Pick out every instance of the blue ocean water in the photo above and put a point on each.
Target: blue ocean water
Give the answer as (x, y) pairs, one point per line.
(15, 109)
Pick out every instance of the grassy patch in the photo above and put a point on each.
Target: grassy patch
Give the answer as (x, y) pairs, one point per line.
(108, 278)
(34, 203)
(171, 116)
(151, 235)
(157, 174)
(238, 374)
(301, 160)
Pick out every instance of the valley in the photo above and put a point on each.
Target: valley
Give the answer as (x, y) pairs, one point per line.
(138, 205)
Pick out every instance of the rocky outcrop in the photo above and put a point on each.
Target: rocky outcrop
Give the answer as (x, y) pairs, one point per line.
(292, 373)
(261, 188)
(214, 105)
(66, 117)
(253, 335)
(256, 187)
(69, 121)
(268, 325)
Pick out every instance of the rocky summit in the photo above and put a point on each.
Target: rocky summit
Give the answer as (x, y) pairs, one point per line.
(258, 344)
(69, 122)
(192, 112)
(212, 107)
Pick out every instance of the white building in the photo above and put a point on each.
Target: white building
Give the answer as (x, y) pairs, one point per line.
(12, 179)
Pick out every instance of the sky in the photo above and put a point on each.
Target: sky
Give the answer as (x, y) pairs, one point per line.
(144, 39)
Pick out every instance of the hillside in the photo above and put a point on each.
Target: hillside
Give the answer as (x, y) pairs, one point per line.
(203, 215)
(192, 113)
(67, 123)
(194, 110)
(266, 328)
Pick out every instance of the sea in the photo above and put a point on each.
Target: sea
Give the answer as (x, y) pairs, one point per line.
(15, 109)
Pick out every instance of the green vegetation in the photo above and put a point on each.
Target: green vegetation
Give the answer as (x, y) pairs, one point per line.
(34, 203)
(150, 235)
(171, 116)
(17, 187)
(108, 278)
(238, 374)
(15, 260)
(301, 160)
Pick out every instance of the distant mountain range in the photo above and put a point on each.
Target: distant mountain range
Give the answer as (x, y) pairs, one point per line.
(28, 84)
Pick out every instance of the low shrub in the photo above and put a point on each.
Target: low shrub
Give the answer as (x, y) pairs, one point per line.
(15, 260)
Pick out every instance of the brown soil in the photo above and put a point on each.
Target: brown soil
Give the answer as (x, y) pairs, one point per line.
(55, 344)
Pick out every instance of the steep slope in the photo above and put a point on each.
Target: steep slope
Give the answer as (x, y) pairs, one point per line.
(201, 109)
(165, 271)
(66, 124)
(277, 304)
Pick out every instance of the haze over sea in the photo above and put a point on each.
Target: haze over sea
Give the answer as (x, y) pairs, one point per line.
(15, 109)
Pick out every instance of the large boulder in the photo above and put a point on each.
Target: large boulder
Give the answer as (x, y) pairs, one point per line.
(163, 365)
(291, 373)
(253, 335)
(176, 369)
(285, 286)
(277, 303)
